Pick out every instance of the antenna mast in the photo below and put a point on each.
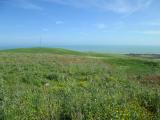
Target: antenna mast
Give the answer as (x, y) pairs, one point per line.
(40, 42)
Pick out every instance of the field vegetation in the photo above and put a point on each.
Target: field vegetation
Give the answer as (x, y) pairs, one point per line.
(58, 84)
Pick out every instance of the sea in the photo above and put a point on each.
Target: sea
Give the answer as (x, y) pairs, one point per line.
(117, 49)
(122, 49)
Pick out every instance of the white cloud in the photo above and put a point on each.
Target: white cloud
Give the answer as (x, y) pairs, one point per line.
(45, 29)
(117, 6)
(59, 22)
(152, 32)
(148, 32)
(154, 23)
(25, 4)
(100, 26)
(83, 33)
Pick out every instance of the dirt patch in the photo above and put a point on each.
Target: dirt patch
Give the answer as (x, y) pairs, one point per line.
(152, 79)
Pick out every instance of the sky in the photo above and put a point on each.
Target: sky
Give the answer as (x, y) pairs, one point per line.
(79, 22)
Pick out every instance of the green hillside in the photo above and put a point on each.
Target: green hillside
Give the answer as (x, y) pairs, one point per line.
(42, 50)
(59, 84)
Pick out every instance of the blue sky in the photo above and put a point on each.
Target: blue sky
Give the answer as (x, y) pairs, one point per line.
(79, 22)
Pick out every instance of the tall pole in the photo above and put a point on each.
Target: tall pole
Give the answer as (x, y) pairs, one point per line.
(40, 42)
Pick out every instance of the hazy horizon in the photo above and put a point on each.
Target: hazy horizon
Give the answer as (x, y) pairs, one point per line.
(119, 49)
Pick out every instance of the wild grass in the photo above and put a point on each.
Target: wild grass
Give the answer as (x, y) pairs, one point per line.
(60, 86)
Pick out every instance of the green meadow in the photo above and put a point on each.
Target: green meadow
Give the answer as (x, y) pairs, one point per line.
(59, 84)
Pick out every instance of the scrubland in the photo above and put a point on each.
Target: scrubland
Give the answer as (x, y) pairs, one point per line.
(58, 84)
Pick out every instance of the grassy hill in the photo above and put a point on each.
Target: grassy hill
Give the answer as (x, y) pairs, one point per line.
(42, 50)
(59, 84)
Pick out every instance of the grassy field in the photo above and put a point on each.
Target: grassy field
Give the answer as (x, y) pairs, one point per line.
(58, 84)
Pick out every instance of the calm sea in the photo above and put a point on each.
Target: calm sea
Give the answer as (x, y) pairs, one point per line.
(105, 49)
(117, 49)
